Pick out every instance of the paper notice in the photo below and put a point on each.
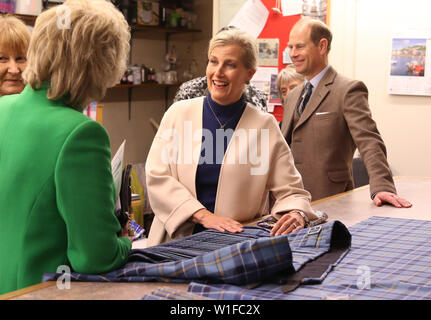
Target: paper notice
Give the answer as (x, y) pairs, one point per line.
(291, 7)
(265, 80)
(251, 17)
(117, 167)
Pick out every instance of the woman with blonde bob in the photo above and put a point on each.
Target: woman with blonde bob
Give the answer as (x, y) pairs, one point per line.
(218, 157)
(287, 80)
(14, 40)
(57, 208)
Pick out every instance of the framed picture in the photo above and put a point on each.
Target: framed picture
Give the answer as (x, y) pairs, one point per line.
(410, 63)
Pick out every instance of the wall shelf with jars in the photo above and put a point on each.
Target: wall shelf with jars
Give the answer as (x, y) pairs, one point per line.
(144, 31)
(135, 28)
(148, 77)
(144, 85)
(30, 20)
(142, 28)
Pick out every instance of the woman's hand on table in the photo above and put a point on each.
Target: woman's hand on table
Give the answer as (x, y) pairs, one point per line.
(289, 222)
(211, 221)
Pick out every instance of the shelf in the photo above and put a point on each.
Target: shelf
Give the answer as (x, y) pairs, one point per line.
(135, 29)
(30, 19)
(138, 27)
(27, 19)
(143, 85)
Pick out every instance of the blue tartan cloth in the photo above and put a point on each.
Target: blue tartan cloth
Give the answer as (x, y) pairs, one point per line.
(390, 258)
(217, 257)
(172, 294)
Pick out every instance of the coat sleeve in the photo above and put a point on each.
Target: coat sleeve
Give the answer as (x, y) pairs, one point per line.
(86, 201)
(367, 137)
(285, 182)
(172, 202)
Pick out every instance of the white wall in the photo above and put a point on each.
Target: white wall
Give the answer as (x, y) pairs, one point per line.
(224, 11)
(362, 31)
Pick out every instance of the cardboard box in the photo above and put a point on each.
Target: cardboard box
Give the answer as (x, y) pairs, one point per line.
(148, 13)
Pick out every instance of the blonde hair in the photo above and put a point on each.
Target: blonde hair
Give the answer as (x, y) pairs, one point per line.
(80, 60)
(286, 75)
(14, 35)
(233, 36)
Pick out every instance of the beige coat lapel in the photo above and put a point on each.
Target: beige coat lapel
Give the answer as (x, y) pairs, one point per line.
(191, 145)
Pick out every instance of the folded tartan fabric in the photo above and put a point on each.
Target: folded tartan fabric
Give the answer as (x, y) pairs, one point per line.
(194, 245)
(172, 294)
(250, 258)
(307, 246)
(390, 258)
(217, 257)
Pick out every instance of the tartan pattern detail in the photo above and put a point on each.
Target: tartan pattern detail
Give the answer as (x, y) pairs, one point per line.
(390, 258)
(217, 257)
(172, 294)
(243, 262)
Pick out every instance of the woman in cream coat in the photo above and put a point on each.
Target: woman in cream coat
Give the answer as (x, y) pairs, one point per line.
(215, 159)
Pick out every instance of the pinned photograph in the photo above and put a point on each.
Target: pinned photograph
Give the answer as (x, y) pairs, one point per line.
(408, 57)
(268, 52)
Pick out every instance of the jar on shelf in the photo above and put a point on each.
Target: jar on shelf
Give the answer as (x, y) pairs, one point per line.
(151, 75)
(129, 75)
(136, 71)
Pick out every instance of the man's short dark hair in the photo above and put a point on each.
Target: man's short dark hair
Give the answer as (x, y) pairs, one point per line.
(319, 31)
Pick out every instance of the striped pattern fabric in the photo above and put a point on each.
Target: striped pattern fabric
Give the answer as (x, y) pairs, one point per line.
(166, 293)
(390, 258)
(194, 245)
(217, 257)
(239, 263)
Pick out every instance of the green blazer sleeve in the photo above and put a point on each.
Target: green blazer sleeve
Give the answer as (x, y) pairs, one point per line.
(85, 195)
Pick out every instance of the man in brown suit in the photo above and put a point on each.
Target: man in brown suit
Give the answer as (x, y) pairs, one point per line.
(324, 126)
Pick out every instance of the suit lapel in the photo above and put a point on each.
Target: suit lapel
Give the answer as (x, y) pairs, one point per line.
(318, 95)
(290, 108)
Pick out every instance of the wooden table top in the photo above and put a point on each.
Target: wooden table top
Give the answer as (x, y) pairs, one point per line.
(354, 206)
(349, 207)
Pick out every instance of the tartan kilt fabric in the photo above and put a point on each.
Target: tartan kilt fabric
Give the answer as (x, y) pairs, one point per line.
(389, 259)
(216, 257)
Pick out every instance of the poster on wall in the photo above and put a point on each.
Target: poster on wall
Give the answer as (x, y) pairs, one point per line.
(265, 79)
(268, 52)
(410, 63)
(291, 7)
(251, 17)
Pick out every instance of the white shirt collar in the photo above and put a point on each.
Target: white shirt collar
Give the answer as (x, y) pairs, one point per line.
(315, 81)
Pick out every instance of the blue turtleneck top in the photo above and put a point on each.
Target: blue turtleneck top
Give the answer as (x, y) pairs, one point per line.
(214, 145)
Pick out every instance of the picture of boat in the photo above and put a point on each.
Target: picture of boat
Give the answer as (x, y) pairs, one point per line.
(408, 57)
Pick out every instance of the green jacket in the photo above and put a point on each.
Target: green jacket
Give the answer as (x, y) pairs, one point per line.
(57, 194)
